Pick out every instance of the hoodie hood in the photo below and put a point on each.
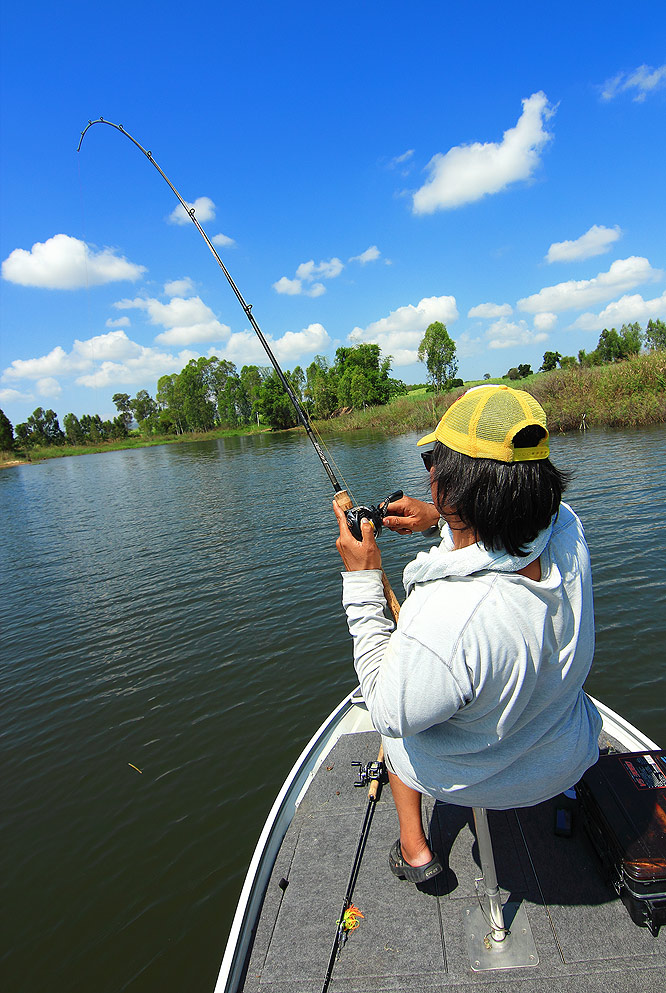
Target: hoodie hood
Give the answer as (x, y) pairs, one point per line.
(443, 560)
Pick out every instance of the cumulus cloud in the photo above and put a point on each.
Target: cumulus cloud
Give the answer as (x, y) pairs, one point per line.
(641, 82)
(545, 321)
(624, 274)
(66, 263)
(118, 322)
(179, 287)
(469, 172)
(491, 310)
(597, 240)
(11, 396)
(243, 347)
(304, 281)
(369, 255)
(222, 240)
(626, 310)
(508, 334)
(400, 333)
(48, 387)
(186, 322)
(97, 361)
(203, 207)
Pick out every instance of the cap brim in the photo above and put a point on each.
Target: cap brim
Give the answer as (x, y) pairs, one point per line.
(429, 438)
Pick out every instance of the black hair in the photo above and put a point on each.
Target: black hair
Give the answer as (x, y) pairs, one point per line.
(505, 504)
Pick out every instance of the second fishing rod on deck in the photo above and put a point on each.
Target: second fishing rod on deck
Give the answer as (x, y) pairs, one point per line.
(354, 514)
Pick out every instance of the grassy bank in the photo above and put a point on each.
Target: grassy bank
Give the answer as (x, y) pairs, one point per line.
(625, 394)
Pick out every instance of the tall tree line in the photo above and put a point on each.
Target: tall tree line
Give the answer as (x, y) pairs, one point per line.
(210, 393)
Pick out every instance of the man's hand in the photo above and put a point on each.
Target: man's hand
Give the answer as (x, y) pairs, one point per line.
(357, 555)
(408, 515)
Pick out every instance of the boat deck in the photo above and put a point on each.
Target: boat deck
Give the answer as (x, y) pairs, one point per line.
(414, 938)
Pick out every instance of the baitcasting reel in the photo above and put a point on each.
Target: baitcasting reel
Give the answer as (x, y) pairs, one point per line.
(373, 514)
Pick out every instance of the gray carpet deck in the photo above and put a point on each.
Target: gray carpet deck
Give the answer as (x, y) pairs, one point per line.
(413, 938)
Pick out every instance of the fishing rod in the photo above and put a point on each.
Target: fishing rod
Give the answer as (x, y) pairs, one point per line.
(355, 515)
(375, 774)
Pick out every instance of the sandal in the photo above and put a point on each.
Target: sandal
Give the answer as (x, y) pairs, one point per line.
(412, 873)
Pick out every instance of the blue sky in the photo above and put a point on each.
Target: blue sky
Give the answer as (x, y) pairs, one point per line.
(364, 168)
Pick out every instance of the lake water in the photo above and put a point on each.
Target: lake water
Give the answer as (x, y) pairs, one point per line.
(177, 609)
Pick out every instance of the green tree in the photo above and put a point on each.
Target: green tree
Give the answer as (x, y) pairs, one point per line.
(513, 373)
(655, 334)
(550, 360)
(6, 433)
(251, 379)
(524, 370)
(123, 405)
(486, 375)
(589, 359)
(145, 411)
(73, 430)
(275, 406)
(438, 351)
(568, 362)
(366, 358)
(631, 339)
(169, 399)
(321, 388)
(41, 428)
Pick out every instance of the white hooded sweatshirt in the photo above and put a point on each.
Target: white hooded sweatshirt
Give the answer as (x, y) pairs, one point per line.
(478, 692)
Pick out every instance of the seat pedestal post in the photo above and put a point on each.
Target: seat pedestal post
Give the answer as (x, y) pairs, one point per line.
(497, 937)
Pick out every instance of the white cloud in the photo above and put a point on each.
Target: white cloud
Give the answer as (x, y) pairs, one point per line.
(119, 322)
(290, 287)
(326, 270)
(469, 172)
(507, 334)
(597, 240)
(304, 283)
(491, 310)
(400, 333)
(179, 287)
(243, 347)
(626, 310)
(66, 263)
(98, 361)
(187, 322)
(574, 294)
(369, 255)
(12, 396)
(48, 387)
(223, 240)
(642, 81)
(401, 159)
(545, 321)
(203, 207)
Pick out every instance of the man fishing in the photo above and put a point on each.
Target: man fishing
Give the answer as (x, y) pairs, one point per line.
(477, 691)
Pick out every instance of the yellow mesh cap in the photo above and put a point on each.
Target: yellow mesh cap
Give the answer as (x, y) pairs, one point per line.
(483, 422)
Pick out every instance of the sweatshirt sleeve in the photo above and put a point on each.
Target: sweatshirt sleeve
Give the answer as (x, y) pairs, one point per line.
(407, 686)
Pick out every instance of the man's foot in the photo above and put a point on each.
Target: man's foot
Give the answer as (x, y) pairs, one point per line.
(413, 873)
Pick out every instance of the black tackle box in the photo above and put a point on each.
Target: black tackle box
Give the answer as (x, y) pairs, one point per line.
(623, 803)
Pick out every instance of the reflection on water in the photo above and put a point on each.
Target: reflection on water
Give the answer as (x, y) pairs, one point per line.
(177, 608)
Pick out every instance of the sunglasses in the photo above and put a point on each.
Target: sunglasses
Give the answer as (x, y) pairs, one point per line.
(427, 460)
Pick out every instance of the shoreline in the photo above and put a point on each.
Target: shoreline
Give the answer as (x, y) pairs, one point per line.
(619, 395)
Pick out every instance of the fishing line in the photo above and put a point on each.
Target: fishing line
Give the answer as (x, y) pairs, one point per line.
(354, 514)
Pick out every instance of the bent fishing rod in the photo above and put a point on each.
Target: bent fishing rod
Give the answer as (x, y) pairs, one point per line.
(354, 514)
